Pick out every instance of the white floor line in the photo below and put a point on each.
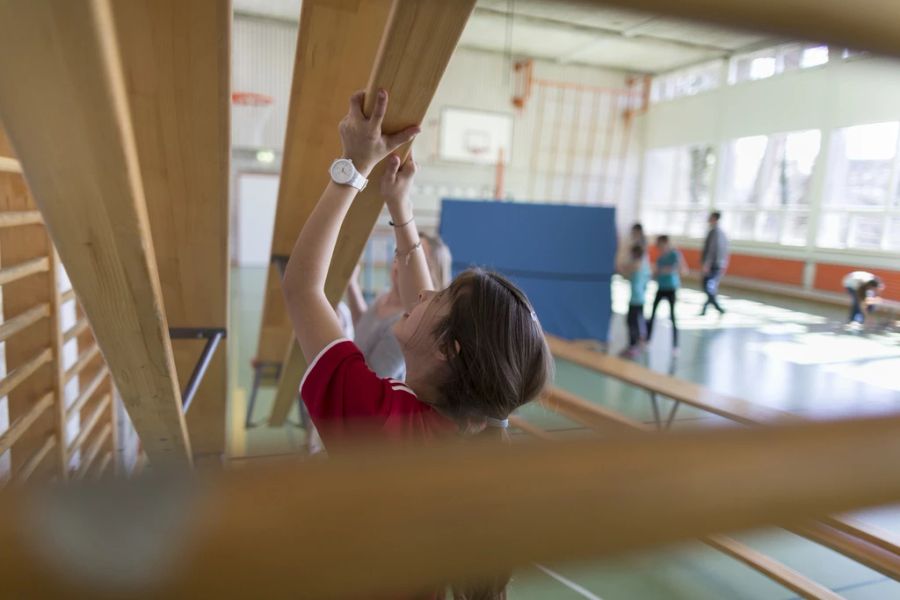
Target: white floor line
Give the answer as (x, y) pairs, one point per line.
(568, 583)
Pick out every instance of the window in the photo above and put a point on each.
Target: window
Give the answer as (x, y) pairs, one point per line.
(771, 61)
(862, 203)
(766, 190)
(687, 82)
(677, 189)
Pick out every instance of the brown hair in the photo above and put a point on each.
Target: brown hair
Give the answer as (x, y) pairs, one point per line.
(497, 356)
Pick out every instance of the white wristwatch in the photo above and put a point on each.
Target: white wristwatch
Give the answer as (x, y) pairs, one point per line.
(344, 172)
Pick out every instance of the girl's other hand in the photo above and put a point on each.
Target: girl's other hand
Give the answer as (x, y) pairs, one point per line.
(396, 179)
(362, 138)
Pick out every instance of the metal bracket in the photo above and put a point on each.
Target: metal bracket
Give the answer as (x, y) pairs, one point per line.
(261, 370)
(213, 336)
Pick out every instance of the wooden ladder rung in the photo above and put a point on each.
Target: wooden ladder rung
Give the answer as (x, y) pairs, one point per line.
(82, 362)
(67, 296)
(36, 459)
(24, 269)
(21, 425)
(88, 425)
(87, 393)
(75, 330)
(21, 321)
(10, 165)
(18, 218)
(93, 450)
(23, 372)
(104, 464)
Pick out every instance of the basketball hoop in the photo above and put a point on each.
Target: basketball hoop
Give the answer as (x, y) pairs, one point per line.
(251, 113)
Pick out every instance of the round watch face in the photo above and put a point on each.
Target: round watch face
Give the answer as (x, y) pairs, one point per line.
(342, 171)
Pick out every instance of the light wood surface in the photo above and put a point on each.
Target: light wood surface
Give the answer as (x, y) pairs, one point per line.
(15, 272)
(416, 528)
(419, 38)
(336, 47)
(24, 422)
(71, 130)
(176, 58)
(18, 218)
(23, 320)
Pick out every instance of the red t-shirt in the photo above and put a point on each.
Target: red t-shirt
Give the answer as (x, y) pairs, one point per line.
(345, 398)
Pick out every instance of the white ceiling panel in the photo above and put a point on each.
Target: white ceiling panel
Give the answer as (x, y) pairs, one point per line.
(275, 9)
(570, 12)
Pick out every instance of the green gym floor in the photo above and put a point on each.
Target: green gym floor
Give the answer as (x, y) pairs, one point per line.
(783, 353)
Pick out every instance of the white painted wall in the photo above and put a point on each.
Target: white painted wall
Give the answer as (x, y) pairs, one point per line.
(842, 93)
(263, 55)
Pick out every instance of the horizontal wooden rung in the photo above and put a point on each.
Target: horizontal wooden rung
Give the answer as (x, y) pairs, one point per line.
(31, 316)
(87, 393)
(23, 372)
(24, 269)
(93, 450)
(88, 425)
(21, 425)
(83, 361)
(20, 217)
(67, 296)
(36, 459)
(75, 330)
(10, 165)
(104, 464)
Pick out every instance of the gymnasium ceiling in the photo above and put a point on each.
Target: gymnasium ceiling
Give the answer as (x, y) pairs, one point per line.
(571, 32)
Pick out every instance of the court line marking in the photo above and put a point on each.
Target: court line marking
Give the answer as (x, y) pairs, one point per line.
(568, 583)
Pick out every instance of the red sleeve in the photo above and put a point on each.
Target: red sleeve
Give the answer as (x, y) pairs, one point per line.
(344, 396)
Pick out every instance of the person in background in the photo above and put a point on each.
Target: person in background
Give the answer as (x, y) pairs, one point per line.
(864, 289)
(714, 261)
(637, 270)
(373, 323)
(670, 265)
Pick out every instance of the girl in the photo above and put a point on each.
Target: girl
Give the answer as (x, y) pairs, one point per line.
(637, 271)
(373, 324)
(864, 289)
(670, 265)
(474, 352)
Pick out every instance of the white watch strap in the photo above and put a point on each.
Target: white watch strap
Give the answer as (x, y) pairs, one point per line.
(358, 181)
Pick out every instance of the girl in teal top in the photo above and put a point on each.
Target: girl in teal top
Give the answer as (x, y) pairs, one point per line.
(670, 265)
(637, 270)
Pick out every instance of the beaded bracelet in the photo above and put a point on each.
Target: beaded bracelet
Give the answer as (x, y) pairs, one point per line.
(408, 253)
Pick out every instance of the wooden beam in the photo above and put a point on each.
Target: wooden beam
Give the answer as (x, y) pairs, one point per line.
(176, 56)
(21, 321)
(336, 46)
(865, 24)
(588, 413)
(416, 530)
(71, 130)
(419, 39)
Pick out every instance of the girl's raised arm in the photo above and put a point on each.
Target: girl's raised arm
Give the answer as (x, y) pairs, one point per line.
(315, 323)
(413, 275)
